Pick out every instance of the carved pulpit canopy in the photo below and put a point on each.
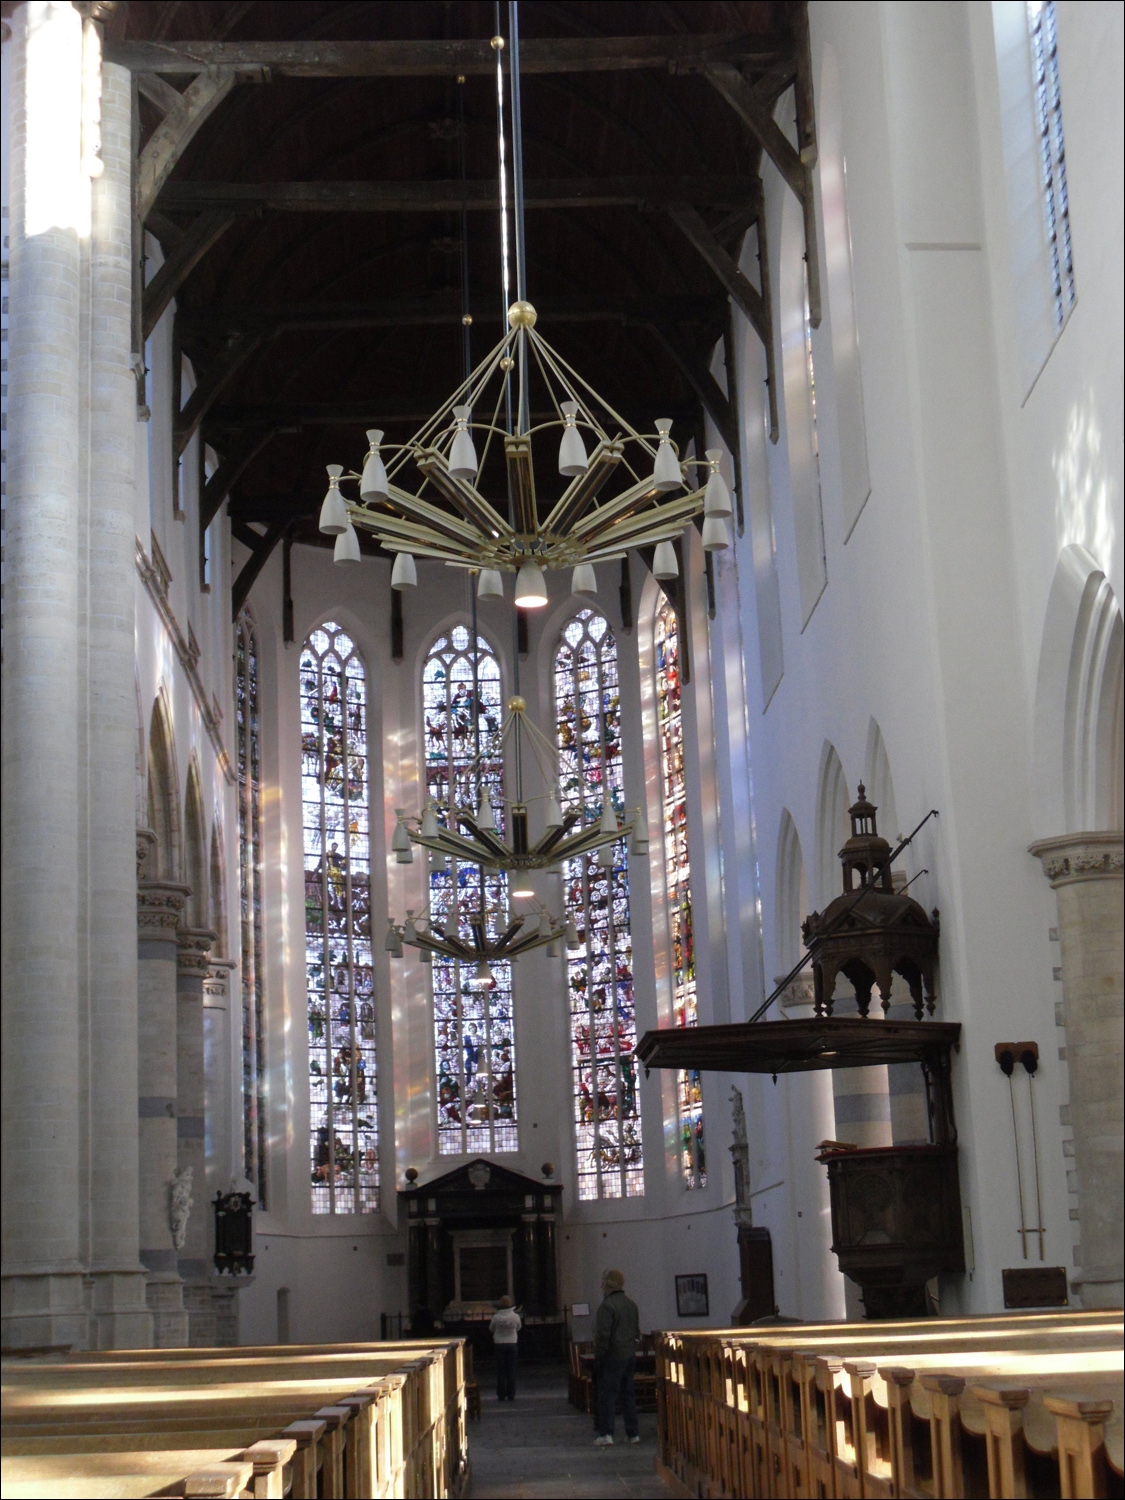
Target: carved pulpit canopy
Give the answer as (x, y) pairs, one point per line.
(871, 931)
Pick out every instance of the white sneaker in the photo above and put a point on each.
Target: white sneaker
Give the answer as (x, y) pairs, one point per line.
(603, 1441)
(633, 1440)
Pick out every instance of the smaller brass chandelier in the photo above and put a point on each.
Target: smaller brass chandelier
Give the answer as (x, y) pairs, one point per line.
(481, 949)
(469, 834)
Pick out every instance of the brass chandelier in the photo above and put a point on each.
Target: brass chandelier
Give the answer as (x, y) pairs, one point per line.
(653, 492)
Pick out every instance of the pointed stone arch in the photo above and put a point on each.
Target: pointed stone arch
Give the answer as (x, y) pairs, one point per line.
(1078, 740)
(879, 781)
(164, 861)
(832, 799)
(195, 869)
(792, 900)
(217, 893)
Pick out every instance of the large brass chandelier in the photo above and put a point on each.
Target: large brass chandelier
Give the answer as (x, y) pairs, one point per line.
(632, 490)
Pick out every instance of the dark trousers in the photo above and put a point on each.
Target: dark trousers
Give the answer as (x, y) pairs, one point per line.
(615, 1378)
(506, 1371)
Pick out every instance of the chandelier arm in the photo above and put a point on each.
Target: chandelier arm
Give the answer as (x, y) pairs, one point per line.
(628, 427)
(544, 353)
(484, 369)
(487, 840)
(638, 531)
(398, 528)
(465, 496)
(553, 837)
(412, 505)
(634, 498)
(494, 426)
(583, 490)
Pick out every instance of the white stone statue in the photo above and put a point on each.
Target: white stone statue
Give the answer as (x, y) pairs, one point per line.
(181, 1205)
(738, 1111)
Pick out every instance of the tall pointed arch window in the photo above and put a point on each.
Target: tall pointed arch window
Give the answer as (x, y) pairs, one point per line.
(247, 723)
(1052, 154)
(474, 1036)
(344, 1148)
(677, 882)
(599, 967)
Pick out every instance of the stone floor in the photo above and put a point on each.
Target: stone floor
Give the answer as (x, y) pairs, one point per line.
(538, 1445)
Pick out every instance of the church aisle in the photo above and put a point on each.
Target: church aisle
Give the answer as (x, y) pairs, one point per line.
(539, 1446)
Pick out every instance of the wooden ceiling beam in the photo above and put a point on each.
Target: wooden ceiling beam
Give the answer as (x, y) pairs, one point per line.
(453, 195)
(253, 565)
(183, 257)
(440, 59)
(394, 312)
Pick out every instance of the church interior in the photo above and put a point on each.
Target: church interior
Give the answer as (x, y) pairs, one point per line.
(563, 710)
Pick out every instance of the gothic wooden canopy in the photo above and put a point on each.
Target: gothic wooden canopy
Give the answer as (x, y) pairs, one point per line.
(320, 175)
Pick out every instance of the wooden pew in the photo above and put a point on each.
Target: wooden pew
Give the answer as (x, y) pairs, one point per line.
(812, 1410)
(401, 1431)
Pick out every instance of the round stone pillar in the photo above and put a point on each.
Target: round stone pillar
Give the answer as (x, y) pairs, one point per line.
(121, 1318)
(44, 1298)
(1085, 870)
(160, 905)
(192, 969)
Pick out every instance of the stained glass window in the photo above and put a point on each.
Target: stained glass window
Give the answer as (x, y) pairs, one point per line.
(677, 883)
(248, 754)
(1052, 153)
(341, 999)
(599, 968)
(474, 1039)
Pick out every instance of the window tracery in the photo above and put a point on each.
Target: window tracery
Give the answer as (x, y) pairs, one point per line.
(474, 1036)
(677, 881)
(343, 1115)
(599, 967)
(247, 721)
(1052, 154)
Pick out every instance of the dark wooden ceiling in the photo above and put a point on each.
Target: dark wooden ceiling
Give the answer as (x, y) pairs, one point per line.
(307, 325)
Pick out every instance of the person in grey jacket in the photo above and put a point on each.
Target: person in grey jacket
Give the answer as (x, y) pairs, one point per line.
(616, 1330)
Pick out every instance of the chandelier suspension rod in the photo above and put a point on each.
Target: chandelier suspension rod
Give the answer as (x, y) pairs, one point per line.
(517, 182)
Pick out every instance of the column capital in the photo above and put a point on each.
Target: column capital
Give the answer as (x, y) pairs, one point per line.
(160, 905)
(1071, 857)
(797, 993)
(194, 955)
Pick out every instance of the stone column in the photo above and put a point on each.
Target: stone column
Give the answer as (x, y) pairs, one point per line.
(121, 1318)
(160, 905)
(1085, 870)
(192, 967)
(43, 1295)
(219, 1141)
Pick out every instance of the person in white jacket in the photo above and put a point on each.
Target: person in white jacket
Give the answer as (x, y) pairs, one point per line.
(505, 1329)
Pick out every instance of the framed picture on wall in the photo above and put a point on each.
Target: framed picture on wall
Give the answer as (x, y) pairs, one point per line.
(691, 1296)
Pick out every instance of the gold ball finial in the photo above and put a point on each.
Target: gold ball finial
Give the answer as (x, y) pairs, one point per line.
(497, 44)
(467, 320)
(507, 362)
(522, 315)
(517, 705)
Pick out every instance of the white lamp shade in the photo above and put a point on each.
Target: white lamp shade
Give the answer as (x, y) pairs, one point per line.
(463, 456)
(430, 826)
(716, 497)
(482, 974)
(333, 511)
(552, 950)
(346, 549)
(666, 470)
(373, 484)
(571, 933)
(608, 823)
(404, 575)
(715, 537)
(425, 956)
(572, 450)
(584, 581)
(639, 847)
(490, 585)
(400, 839)
(531, 588)
(554, 812)
(664, 564)
(485, 816)
(604, 857)
(453, 921)
(393, 941)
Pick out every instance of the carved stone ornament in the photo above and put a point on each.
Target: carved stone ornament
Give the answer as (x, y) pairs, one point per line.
(479, 1175)
(194, 951)
(146, 843)
(180, 1205)
(738, 1115)
(1081, 856)
(160, 905)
